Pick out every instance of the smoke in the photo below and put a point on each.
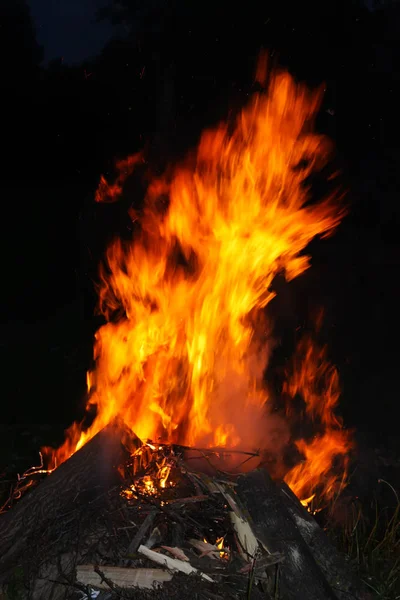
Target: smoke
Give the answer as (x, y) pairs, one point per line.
(240, 402)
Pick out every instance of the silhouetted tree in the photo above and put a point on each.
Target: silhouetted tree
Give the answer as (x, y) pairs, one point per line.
(20, 53)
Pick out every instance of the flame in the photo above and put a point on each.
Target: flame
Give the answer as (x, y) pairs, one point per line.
(150, 468)
(220, 545)
(316, 382)
(182, 355)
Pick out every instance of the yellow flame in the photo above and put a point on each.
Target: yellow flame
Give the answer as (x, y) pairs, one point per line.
(185, 361)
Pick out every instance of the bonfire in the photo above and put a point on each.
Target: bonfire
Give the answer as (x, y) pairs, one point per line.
(190, 481)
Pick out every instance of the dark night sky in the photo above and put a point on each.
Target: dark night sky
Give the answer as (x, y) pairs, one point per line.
(71, 127)
(67, 28)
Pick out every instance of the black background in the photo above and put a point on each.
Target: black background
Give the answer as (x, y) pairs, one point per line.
(63, 126)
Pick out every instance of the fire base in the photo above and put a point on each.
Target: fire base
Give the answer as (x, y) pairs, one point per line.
(141, 523)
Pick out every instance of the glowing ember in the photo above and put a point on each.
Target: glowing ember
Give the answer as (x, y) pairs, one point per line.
(185, 362)
(150, 467)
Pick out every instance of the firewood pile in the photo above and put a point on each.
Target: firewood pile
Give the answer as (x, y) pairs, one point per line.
(123, 519)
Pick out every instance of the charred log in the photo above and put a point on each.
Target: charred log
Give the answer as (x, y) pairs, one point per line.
(300, 576)
(332, 564)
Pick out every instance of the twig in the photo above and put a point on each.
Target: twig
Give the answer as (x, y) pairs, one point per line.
(391, 487)
(219, 450)
(143, 529)
(188, 500)
(110, 583)
(245, 461)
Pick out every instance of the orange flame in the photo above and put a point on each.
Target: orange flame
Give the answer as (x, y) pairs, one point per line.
(185, 362)
(316, 382)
